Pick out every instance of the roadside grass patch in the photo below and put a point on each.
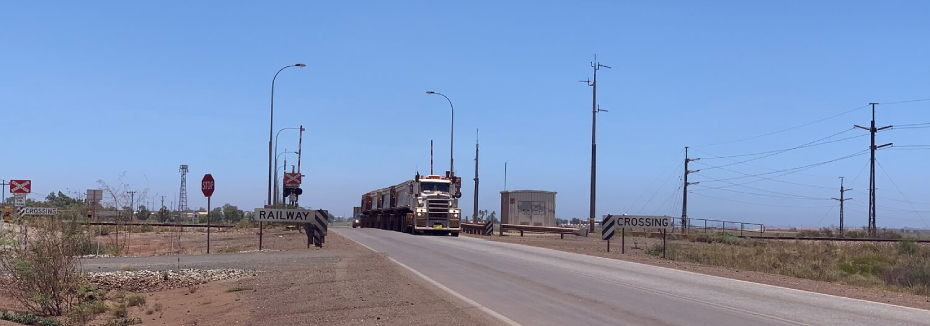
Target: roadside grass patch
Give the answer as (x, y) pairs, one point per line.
(903, 266)
(29, 319)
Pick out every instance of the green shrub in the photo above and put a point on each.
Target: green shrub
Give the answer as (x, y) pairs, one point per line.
(869, 264)
(29, 319)
(907, 247)
(135, 300)
(43, 274)
(912, 272)
(720, 237)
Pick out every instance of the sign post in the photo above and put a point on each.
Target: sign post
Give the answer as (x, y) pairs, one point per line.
(206, 185)
(607, 229)
(317, 221)
(663, 223)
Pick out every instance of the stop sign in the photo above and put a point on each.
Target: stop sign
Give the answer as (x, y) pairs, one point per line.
(206, 185)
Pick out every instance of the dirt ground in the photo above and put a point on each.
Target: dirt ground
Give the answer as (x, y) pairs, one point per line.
(170, 241)
(355, 286)
(635, 252)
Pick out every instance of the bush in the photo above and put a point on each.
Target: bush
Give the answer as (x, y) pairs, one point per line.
(720, 237)
(120, 310)
(135, 300)
(124, 322)
(869, 264)
(43, 272)
(854, 234)
(907, 247)
(29, 319)
(655, 250)
(911, 273)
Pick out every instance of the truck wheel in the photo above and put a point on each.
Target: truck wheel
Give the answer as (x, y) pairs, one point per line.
(455, 234)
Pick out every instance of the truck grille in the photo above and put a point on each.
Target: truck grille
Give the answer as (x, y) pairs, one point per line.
(438, 206)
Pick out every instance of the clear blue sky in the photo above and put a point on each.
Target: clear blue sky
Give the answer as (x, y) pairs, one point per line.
(89, 90)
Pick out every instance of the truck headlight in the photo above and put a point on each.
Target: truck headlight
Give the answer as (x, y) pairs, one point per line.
(419, 214)
(455, 215)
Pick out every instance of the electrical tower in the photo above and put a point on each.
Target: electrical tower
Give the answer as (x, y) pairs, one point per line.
(873, 231)
(841, 200)
(684, 192)
(594, 110)
(182, 198)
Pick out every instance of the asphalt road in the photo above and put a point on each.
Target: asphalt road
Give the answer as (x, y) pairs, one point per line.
(537, 286)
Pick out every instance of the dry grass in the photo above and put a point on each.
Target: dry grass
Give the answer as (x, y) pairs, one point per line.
(902, 266)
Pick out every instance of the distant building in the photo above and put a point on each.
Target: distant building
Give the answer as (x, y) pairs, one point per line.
(528, 207)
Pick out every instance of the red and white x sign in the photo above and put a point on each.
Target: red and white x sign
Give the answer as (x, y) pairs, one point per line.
(292, 179)
(20, 186)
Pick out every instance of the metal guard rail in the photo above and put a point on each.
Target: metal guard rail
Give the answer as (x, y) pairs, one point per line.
(536, 229)
(476, 228)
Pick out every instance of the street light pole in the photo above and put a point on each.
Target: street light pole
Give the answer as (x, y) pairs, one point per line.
(276, 186)
(270, 139)
(451, 133)
(275, 201)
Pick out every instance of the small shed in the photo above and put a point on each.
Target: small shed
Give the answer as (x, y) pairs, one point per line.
(528, 207)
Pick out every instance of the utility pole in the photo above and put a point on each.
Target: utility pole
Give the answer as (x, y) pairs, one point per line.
(4, 184)
(132, 199)
(162, 201)
(684, 193)
(873, 231)
(841, 200)
(505, 174)
(594, 110)
(475, 216)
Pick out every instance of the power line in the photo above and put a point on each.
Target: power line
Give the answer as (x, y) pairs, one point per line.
(902, 194)
(787, 129)
(782, 195)
(779, 151)
(908, 101)
(793, 170)
(750, 203)
(653, 183)
(787, 196)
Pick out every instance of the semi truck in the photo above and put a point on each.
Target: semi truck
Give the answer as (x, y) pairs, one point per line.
(425, 204)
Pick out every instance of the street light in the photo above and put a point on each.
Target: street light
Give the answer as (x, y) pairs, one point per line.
(275, 202)
(271, 126)
(270, 135)
(451, 133)
(276, 159)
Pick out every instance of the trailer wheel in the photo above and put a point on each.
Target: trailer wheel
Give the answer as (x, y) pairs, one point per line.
(455, 234)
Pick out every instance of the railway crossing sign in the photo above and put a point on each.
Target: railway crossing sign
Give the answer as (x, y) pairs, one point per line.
(206, 185)
(316, 222)
(23, 211)
(20, 186)
(19, 200)
(292, 179)
(646, 222)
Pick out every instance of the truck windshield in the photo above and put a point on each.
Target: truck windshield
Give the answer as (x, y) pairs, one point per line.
(434, 186)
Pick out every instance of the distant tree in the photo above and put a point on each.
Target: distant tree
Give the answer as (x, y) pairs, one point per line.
(143, 213)
(493, 217)
(125, 214)
(60, 200)
(561, 221)
(163, 214)
(232, 214)
(250, 216)
(576, 221)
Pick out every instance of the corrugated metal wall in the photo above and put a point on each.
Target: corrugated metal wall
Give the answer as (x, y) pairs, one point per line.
(528, 207)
